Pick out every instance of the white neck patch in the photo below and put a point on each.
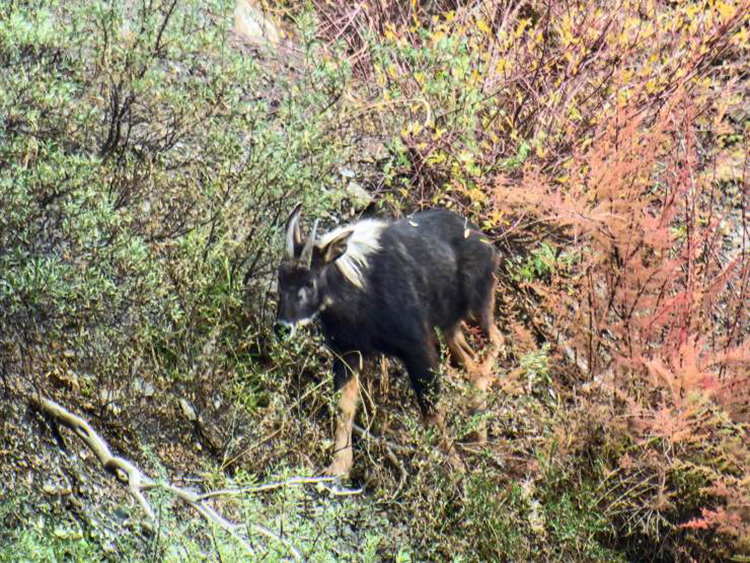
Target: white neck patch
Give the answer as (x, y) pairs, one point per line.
(364, 242)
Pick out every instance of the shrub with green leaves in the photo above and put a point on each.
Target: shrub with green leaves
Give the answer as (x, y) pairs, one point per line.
(147, 159)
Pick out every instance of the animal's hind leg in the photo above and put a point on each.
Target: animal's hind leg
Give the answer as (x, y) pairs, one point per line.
(477, 376)
(460, 349)
(482, 376)
(486, 319)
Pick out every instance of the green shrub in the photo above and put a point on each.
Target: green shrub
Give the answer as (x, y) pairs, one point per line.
(146, 165)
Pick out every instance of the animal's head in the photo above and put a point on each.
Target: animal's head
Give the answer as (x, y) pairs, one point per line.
(302, 286)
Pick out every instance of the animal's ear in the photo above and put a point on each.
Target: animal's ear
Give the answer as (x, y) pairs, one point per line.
(335, 248)
(293, 234)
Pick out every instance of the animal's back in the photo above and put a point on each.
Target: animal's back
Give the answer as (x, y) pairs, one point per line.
(434, 262)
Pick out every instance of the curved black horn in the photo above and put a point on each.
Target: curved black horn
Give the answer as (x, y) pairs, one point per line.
(293, 236)
(306, 256)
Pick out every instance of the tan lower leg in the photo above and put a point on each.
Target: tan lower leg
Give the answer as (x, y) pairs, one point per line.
(477, 405)
(481, 380)
(496, 344)
(489, 315)
(445, 445)
(493, 334)
(465, 345)
(460, 349)
(342, 449)
(482, 376)
(496, 337)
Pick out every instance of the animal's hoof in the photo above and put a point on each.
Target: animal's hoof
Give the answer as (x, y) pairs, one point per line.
(486, 371)
(336, 470)
(477, 437)
(456, 462)
(434, 419)
(340, 467)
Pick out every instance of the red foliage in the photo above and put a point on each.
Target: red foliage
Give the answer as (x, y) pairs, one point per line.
(654, 299)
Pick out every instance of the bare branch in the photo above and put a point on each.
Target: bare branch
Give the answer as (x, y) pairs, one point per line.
(138, 482)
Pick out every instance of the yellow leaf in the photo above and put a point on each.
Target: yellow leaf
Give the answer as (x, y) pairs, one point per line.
(523, 22)
(483, 27)
(741, 37)
(436, 158)
(726, 11)
(390, 32)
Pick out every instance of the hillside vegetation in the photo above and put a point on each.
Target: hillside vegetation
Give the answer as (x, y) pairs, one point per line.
(149, 157)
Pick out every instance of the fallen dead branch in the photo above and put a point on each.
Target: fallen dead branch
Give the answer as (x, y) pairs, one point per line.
(321, 482)
(138, 482)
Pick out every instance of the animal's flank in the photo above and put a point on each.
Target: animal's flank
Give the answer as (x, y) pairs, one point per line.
(363, 242)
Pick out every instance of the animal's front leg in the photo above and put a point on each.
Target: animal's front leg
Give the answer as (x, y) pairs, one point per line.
(343, 454)
(487, 322)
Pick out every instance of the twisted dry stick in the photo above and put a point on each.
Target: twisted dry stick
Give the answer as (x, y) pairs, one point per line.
(138, 482)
